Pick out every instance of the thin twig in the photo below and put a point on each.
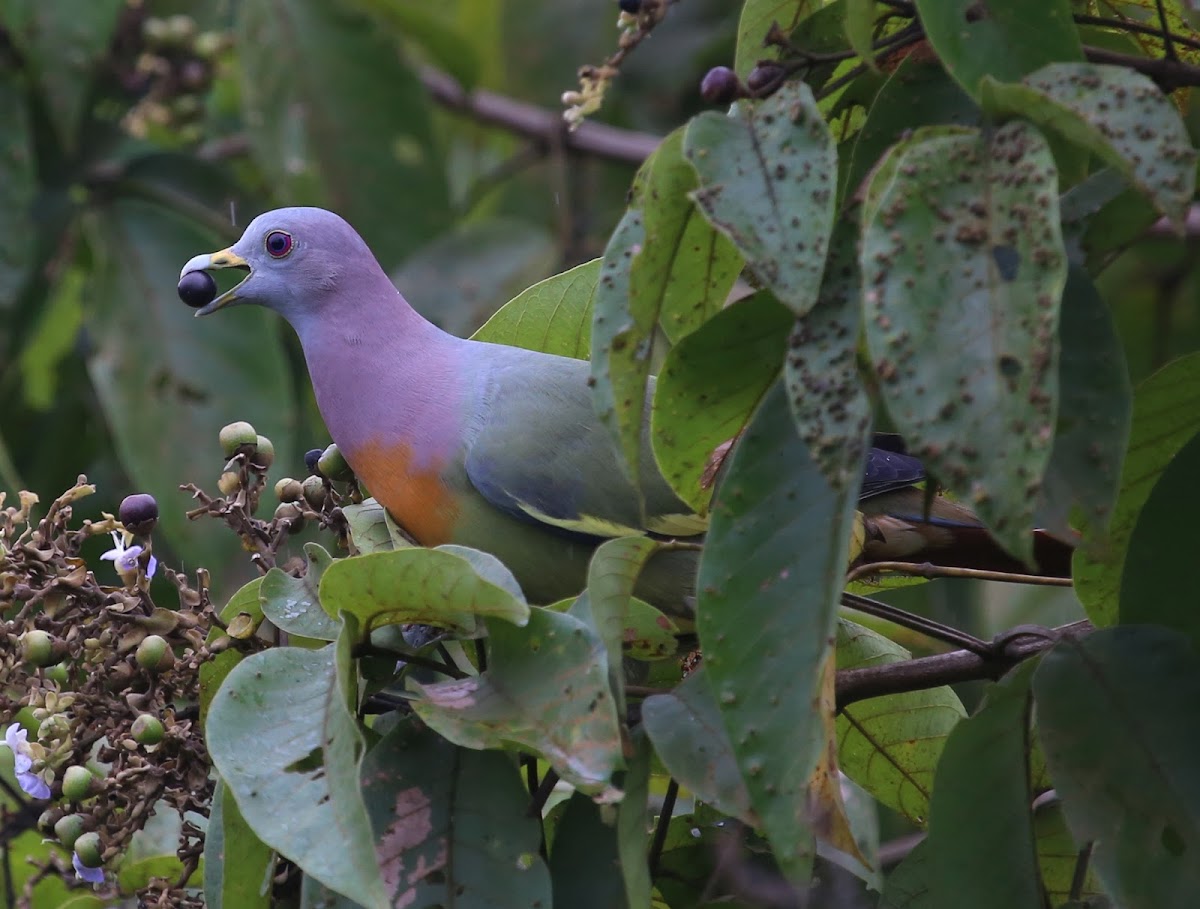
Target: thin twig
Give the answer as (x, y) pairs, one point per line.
(929, 570)
(920, 623)
(1136, 28)
(1167, 74)
(664, 821)
(1079, 877)
(1168, 39)
(545, 787)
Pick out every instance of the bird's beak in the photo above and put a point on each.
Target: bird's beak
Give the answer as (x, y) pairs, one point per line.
(226, 258)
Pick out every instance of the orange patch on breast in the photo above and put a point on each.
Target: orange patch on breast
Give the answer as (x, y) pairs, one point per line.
(417, 499)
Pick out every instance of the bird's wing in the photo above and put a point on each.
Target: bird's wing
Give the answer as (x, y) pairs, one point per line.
(539, 452)
(887, 470)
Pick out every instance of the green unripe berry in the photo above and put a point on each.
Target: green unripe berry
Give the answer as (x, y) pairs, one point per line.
(147, 729)
(77, 783)
(208, 44)
(68, 830)
(88, 848)
(332, 465)
(237, 435)
(314, 491)
(154, 654)
(265, 455)
(289, 490)
(37, 648)
(47, 819)
(293, 514)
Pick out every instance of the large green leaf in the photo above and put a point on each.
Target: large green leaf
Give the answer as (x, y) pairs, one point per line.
(1058, 857)
(981, 848)
(768, 181)
(163, 377)
(709, 385)
(280, 735)
(1166, 414)
(546, 689)
(1095, 401)
(1003, 40)
(1116, 114)
(430, 586)
(336, 119)
(776, 550)
(451, 825)
(553, 316)
(62, 44)
(237, 864)
(685, 270)
(1117, 718)
(908, 886)
(18, 186)
(584, 864)
(621, 342)
(963, 253)
(446, 45)
(820, 367)
(756, 20)
(633, 821)
(1158, 562)
(690, 739)
(891, 745)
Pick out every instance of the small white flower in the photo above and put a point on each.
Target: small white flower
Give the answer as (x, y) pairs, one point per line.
(127, 559)
(15, 738)
(83, 872)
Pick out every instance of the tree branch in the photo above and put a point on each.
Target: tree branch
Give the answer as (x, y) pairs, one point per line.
(545, 127)
(948, 668)
(1167, 74)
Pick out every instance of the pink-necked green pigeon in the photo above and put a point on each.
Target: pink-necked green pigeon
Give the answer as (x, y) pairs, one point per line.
(486, 445)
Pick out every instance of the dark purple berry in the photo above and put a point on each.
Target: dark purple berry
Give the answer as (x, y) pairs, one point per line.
(197, 289)
(720, 85)
(633, 7)
(138, 513)
(311, 457)
(763, 76)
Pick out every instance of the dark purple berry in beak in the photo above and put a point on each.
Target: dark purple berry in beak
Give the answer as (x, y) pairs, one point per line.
(197, 289)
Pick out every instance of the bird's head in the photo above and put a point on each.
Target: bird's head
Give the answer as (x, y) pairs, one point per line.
(297, 260)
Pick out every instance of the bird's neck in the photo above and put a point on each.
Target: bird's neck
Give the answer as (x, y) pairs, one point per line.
(384, 375)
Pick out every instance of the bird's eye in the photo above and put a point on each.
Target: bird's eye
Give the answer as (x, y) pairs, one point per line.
(279, 243)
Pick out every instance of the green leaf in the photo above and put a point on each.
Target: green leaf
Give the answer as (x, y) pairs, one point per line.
(891, 745)
(1158, 561)
(161, 375)
(964, 253)
(292, 603)
(820, 368)
(685, 269)
(546, 689)
(450, 825)
(584, 865)
(1116, 716)
(62, 44)
(690, 739)
(429, 586)
(778, 545)
(553, 316)
(237, 864)
(648, 634)
(1166, 414)
(338, 120)
(1094, 404)
(633, 822)
(458, 279)
(768, 178)
(1058, 857)
(280, 735)
(446, 46)
(860, 27)
(981, 848)
(918, 93)
(1116, 114)
(756, 19)
(709, 385)
(52, 339)
(908, 885)
(1003, 40)
(622, 342)
(214, 671)
(18, 187)
(372, 528)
